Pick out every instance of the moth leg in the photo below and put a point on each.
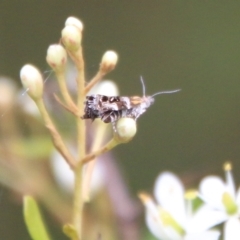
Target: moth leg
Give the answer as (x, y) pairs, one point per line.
(90, 114)
(110, 116)
(114, 126)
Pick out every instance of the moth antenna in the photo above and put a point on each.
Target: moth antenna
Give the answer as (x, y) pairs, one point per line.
(166, 92)
(143, 86)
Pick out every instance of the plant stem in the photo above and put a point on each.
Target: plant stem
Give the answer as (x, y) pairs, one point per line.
(78, 202)
(56, 137)
(81, 139)
(95, 79)
(111, 144)
(63, 87)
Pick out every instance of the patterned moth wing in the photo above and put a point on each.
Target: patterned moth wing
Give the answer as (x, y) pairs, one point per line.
(110, 109)
(91, 108)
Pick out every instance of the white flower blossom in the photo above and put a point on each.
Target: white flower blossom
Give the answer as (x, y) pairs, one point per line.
(65, 178)
(224, 200)
(172, 218)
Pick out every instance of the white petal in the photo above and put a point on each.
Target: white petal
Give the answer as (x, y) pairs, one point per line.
(62, 172)
(153, 226)
(211, 190)
(65, 177)
(232, 229)
(153, 221)
(169, 192)
(208, 235)
(204, 219)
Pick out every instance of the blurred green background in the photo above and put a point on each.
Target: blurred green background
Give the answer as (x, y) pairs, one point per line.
(192, 45)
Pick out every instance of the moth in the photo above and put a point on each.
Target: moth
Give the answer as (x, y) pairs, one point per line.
(112, 108)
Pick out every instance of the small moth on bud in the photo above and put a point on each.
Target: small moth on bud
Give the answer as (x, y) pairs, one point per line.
(112, 108)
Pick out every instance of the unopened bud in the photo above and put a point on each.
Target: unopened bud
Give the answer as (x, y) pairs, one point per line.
(73, 21)
(56, 57)
(126, 129)
(32, 81)
(109, 61)
(71, 38)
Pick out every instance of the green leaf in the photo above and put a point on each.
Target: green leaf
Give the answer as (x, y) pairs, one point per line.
(33, 219)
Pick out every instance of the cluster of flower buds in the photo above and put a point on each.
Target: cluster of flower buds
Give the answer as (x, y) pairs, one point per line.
(57, 55)
(124, 128)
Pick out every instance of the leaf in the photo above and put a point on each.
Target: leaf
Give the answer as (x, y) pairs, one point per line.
(33, 219)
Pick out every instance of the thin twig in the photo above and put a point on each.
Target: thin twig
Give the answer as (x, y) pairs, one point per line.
(78, 202)
(94, 80)
(64, 90)
(56, 137)
(65, 106)
(111, 144)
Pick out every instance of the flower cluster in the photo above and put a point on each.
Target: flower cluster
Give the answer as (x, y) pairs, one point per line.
(171, 216)
(80, 157)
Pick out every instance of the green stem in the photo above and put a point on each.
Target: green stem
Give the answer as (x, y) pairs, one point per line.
(81, 139)
(111, 144)
(95, 79)
(56, 137)
(78, 202)
(64, 91)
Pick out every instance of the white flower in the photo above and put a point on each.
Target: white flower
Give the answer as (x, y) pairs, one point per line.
(65, 177)
(223, 198)
(172, 217)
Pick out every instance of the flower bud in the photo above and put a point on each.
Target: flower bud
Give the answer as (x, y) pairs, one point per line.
(32, 81)
(109, 61)
(71, 38)
(72, 21)
(126, 128)
(56, 57)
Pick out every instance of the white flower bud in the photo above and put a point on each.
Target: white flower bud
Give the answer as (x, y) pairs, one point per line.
(56, 57)
(109, 61)
(73, 21)
(71, 38)
(126, 129)
(32, 81)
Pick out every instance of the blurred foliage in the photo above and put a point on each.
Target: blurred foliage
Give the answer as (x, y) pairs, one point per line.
(33, 220)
